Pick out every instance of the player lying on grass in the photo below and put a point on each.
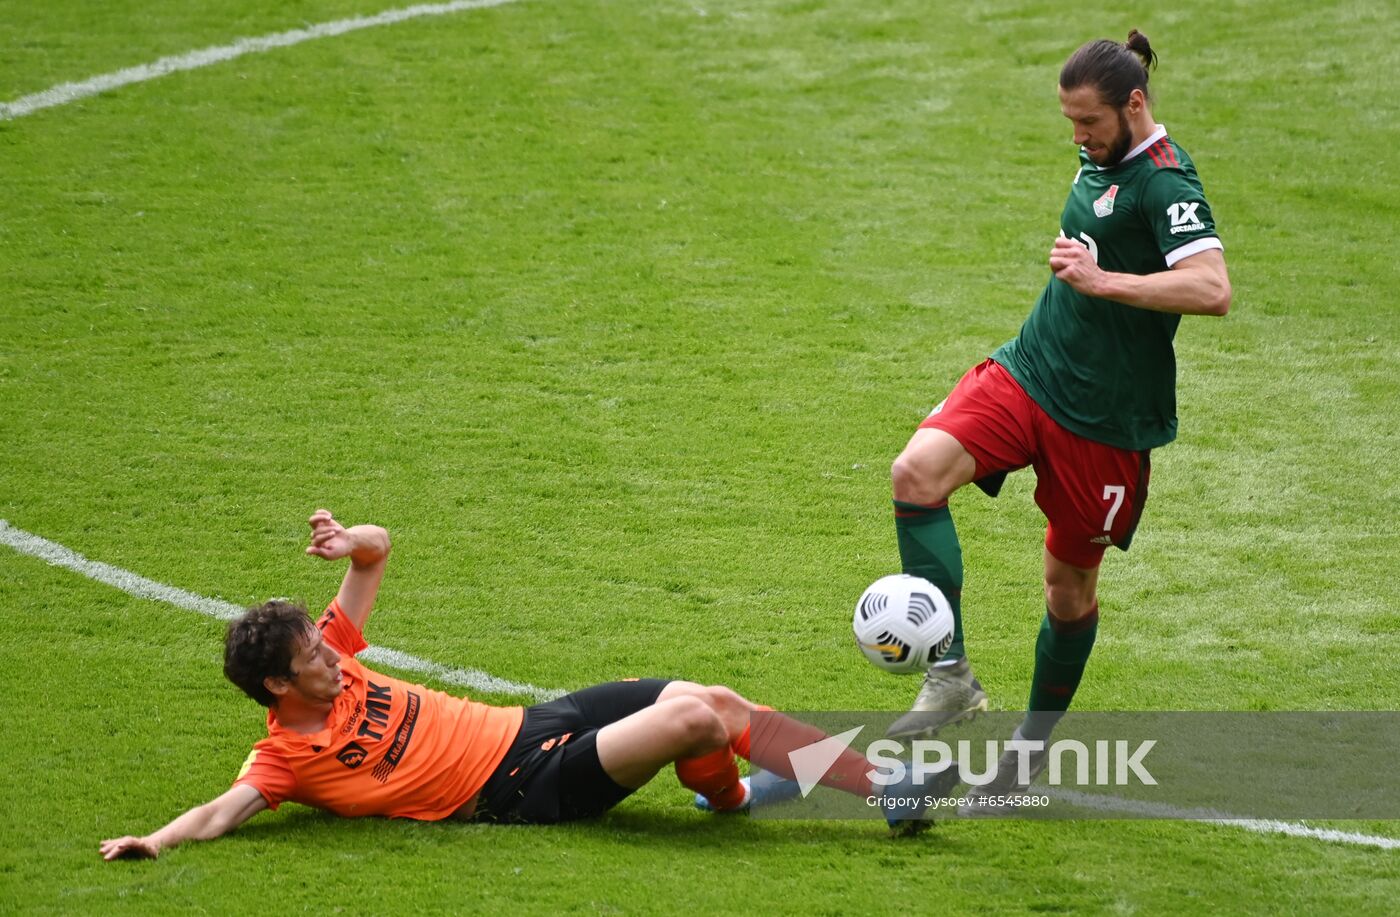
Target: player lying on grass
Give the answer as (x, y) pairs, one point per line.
(354, 742)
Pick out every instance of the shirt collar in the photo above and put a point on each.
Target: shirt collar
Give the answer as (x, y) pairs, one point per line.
(322, 738)
(1156, 135)
(1152, 138)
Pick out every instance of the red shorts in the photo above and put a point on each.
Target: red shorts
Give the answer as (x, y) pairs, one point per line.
(1091, 494)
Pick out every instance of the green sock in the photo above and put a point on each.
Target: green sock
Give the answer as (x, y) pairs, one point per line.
(1061, 651)
(928, 547)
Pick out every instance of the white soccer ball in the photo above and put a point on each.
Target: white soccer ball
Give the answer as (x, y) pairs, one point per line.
(903, 623)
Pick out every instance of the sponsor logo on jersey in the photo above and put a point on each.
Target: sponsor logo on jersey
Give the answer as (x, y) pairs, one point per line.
(378, 702)
(1104, 205)
(1183, 216)
(394, 755)
(1102, 539)
(354, 718)
(352, 755)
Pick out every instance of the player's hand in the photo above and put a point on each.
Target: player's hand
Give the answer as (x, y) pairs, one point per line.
(1074, 264)
(328, 537)
(129, 848)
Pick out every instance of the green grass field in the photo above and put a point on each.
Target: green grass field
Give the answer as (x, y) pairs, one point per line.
(615, 314)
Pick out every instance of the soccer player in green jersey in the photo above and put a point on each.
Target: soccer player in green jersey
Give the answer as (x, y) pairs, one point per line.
(1082, 394)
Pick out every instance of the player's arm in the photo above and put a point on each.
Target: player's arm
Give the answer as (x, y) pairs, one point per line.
(202, 823)
(367, 546)
(1195, 285)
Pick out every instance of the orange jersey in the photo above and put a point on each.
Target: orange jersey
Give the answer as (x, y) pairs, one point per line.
(389, 747)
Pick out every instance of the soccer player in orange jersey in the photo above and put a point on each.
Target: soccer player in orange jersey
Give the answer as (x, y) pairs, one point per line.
(355, 742)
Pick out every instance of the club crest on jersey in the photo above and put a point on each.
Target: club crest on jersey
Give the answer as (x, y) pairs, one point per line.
(1104, 205)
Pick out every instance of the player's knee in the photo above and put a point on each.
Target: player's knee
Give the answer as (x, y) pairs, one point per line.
(915, 483)
(721, 698)
(1069, 600)
(697, 725)
(732, 708)
(678, 688)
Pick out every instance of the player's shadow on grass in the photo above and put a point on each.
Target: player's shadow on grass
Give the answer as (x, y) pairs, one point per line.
(689, 831)
(645, 826)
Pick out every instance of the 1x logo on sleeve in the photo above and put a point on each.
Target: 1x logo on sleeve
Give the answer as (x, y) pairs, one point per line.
(1183, 216)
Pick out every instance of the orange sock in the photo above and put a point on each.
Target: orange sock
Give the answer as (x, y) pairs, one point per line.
(741, 744)
(777, 735)
(714, 776)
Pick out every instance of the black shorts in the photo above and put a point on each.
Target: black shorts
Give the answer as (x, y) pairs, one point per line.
(551, 772)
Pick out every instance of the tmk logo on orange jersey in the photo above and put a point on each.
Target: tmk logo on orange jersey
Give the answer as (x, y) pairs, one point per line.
(377, 705)
(1104, 205)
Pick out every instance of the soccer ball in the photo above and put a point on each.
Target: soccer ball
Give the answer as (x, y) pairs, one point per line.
(903, 623)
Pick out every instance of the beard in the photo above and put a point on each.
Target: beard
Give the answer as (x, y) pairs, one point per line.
(1114, 153)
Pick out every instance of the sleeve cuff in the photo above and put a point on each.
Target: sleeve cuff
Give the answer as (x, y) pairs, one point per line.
(1193, 248)
(272, 804)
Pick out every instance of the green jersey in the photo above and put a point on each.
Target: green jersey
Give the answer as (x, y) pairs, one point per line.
(1102, 369)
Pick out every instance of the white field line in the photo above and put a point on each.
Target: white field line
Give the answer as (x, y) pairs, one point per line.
(1105, 803)
(472, 679)
(131, 583)
(64, 93)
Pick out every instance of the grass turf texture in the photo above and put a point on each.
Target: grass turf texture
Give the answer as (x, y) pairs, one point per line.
(615, 315)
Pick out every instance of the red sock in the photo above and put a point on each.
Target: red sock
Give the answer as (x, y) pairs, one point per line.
(714, 776)
(741, 744)
(776, 735)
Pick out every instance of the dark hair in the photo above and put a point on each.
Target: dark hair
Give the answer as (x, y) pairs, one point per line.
(1114, 69)
(261, 644)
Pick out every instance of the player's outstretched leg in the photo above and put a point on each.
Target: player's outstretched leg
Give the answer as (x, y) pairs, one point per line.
(770, 739)
(931, 467)
(701, 728)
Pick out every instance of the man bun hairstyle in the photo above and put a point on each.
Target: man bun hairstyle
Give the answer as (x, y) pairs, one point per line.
(261, 643)
(1112, 68)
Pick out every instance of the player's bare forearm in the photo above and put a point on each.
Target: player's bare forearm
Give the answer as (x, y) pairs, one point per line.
(1193, 290)
(371, 544)
(202, 823)
(367, 546)
(1198, 285)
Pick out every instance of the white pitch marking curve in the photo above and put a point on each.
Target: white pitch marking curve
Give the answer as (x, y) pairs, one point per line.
(64, 93)
(133, 584)
(1137, 808)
